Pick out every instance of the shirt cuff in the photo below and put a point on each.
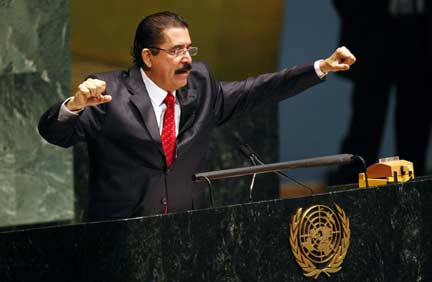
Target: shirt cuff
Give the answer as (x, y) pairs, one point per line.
(318, 70)
(66, 114)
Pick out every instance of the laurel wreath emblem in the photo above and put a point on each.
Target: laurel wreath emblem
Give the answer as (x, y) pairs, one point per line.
(339, 251)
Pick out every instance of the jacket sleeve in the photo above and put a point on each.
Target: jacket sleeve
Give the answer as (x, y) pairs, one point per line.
(240, 96)
(73, 130)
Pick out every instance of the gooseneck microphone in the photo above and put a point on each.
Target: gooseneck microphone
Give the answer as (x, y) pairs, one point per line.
(253, 157)
(275, 168)
(305, 163)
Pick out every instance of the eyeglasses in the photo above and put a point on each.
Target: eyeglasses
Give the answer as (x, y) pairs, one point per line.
(178, 51)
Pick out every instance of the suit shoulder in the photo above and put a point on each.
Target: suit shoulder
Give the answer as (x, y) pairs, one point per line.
(201, 71)
(200, 67)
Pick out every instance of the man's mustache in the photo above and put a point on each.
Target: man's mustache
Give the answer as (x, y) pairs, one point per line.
(185, 68)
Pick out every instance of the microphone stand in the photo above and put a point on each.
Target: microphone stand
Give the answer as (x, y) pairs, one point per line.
(252, 182)
(357, 157)
(210, 190)
(250, 154)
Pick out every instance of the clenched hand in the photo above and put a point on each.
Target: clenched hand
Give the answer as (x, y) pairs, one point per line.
(90, 93)
(340, 60)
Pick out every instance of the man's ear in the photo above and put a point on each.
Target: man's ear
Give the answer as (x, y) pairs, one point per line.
(147, 57)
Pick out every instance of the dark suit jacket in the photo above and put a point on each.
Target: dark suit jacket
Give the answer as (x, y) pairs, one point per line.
(128, 175)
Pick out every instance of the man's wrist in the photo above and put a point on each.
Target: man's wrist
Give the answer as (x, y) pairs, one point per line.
(320, 69)
(324, 66)
(70, 105)
(65, 114)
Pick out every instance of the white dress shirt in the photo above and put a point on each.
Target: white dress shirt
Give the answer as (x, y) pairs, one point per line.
(157, 97)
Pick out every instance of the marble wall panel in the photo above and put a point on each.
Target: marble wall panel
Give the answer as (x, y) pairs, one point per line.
(35, 177)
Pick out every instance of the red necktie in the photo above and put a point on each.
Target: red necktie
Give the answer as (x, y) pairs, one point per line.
(169, 130)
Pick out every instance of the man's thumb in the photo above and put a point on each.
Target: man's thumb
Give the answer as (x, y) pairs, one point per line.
(106, 98)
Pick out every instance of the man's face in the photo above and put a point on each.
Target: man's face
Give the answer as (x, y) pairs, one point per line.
(168, 71)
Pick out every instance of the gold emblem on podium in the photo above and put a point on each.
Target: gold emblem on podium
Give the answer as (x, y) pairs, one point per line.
(319, 239)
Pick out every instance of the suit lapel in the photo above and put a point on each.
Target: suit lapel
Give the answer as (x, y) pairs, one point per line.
(188, 103)
(141, 100)
(187, 99)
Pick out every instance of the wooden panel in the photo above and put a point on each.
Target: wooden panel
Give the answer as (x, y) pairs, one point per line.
(237, 38)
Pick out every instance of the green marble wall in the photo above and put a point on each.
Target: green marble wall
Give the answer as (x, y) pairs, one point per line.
(35, 177)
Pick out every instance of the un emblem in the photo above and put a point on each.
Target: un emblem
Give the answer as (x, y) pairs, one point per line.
(319, 239)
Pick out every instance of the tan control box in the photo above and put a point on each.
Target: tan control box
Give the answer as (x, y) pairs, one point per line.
(388, 170)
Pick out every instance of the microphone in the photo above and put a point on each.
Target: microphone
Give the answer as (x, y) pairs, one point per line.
(275, 167)
(250, 154)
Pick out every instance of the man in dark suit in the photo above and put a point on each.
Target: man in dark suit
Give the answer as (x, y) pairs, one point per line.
(392, 40)
(148, 128)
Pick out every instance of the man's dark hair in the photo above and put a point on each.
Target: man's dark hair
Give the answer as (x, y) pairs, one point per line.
(149, 33)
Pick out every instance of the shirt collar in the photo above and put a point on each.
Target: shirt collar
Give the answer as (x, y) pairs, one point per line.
(157, 94)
